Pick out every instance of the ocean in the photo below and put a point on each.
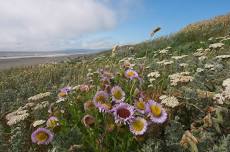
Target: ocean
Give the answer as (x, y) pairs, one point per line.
(17, 55)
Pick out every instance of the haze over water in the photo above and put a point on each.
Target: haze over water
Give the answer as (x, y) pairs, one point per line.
(18, 55)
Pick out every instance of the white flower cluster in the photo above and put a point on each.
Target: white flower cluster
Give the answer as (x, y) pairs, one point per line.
(127, 58)
(127, 64)
(211, 38)
(169, 101)
(216, 45)
(199, 52)
(16, 116)
(213, 67)
(164, 51)
(38, 123)
(39, 96)
(59, 100)
(225, 39)
(29, 105)
(90, 75)
(165, 62)
(202, 58)
(220, 98)
(153, 75)
(226, 83)
(208, 66)
(179, 57)
(222, 57)
(22, 112)
(182, 77)
(41, 105)
(220, 37)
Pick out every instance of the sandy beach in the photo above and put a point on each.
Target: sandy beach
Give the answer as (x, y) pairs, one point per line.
(23, 62)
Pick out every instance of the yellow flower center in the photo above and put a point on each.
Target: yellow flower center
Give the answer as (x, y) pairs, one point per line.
(130, 74)
(117, 94)
(62, 94)
(42, 136)
(107, 105)
(156, 110)
(52, 123)
(100, 99)
(138, 125)
(141, 105)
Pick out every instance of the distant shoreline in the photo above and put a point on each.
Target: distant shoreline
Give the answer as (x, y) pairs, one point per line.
(30, 61)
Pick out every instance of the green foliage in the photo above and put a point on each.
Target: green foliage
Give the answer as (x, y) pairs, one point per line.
(223, 146)
(173, 133)
(18, 139)
(152, 145)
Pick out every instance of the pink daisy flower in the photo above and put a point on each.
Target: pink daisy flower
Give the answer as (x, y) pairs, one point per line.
(123, 113)
(118, 95)
(138, 126)
(52, 122)
(131, 74)
(156, 113)
(101, 101)
(42, 136)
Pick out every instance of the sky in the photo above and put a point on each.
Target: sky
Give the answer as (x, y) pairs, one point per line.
(51, 25)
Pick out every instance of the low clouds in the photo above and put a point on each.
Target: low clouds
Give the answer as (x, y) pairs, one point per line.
(36, 25)
(102, 42)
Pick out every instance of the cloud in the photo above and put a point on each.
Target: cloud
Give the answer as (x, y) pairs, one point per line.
(102, 42)
(36, 25)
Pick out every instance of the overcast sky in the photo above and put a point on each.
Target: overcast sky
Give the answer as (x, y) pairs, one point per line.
(45, 25)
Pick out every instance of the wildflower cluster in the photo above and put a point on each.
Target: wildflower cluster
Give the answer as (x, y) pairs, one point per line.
(182, 77)
(109, 103)
(43, 136)
(136, 114)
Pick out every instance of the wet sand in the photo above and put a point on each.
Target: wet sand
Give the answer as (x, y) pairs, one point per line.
(24, 62)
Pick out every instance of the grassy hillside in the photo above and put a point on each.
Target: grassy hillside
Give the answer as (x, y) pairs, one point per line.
(187, 72)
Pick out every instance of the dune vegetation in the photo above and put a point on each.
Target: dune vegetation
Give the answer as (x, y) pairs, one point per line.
(168, 94)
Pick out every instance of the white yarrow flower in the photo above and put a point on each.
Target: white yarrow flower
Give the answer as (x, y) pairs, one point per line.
(39, 96)
(169, 101)
(219, 98)
(16, 117)
(182, 77)
(154, 74)
(226, 83)
(38, 123)
(216, 45)
(179, 57)
(222, 57)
